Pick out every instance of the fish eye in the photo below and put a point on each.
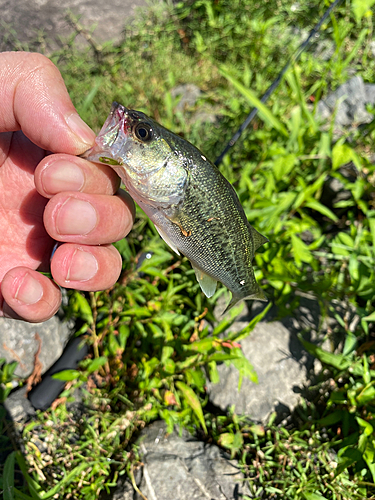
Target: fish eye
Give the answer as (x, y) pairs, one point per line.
(143, 132)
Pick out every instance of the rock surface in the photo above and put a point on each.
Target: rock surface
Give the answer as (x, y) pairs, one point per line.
(188, 95)
(180, 467)
(44, 24)
(20, 341)
(349, 102)
(18, 406)
(282, 367)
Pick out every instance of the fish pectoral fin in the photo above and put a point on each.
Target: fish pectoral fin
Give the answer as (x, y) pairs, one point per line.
(207, 284)
(167, 240)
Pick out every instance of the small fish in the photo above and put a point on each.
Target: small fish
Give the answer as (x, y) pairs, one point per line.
(194, 208)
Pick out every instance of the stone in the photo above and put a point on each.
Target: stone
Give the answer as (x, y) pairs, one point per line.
(370, 93)
(188, 93)
(44, 24)
(334, 189)
(285, 370)
(124, 491)
(20, 341)
(325, 50)
(349, 103)
(18, 407)
(282, 366)
(177, 466)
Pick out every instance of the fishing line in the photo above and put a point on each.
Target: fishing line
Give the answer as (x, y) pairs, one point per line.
(276, 83)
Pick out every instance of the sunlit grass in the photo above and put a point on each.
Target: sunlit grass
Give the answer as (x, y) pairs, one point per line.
(156, 336)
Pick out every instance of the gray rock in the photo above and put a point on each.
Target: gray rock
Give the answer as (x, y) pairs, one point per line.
(325, 50)
(189, 94)
(42, 24)
(334, 189)
(349, 101)
(124, 491)
(370, 93)
(205, 115)
(18, 406)
(282, 367)
(352, 92)
(19, 342)
(285, 370)
(323, 112)
(178, 467)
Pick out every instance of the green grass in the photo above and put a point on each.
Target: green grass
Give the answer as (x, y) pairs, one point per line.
(154, 335)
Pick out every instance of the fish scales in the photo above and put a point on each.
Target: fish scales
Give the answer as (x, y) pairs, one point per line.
(216, 230)
(195, 209)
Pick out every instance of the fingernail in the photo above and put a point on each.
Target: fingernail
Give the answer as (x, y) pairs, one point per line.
(80, 128)
(29, 290)
(83, 266)
(76, 217)
(62, 176)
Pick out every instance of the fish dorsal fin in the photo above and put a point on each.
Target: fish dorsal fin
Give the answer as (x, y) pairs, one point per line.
(258, 238)
(207, 284)
(167, 240)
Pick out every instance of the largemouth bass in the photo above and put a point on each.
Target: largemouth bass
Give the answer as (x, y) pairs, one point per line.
(194, 208)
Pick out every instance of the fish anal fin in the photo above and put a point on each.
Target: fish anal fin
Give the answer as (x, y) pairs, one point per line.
(167, 240)
(207, 284)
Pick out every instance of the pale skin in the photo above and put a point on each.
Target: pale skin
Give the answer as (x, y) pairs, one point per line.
(49, 195)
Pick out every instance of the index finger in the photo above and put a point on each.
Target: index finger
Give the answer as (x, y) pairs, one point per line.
(34, 99)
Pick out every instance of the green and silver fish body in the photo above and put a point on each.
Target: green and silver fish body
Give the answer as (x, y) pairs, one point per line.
(194, 208)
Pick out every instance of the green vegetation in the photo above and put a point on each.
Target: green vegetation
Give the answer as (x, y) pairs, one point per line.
(154, 335)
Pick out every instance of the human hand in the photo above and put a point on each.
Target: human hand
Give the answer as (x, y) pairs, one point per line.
(47, 197)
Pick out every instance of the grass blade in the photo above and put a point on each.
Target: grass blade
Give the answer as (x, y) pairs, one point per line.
(253, 100)
(8, 477)
(193, 402)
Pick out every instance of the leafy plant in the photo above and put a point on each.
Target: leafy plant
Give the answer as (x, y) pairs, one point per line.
(6, 377)
(155, 339)
(350, 410)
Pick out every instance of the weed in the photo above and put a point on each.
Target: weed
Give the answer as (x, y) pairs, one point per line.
(155, 338)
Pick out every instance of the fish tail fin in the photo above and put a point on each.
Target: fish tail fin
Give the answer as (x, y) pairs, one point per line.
(258, 238)
(258, 294)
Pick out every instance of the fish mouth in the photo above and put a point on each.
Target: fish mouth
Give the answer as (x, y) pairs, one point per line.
(112, 141)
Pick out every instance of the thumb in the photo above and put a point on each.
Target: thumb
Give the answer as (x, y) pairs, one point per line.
(34, 99)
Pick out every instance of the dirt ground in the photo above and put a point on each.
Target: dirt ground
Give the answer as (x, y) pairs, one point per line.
(43, 25)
